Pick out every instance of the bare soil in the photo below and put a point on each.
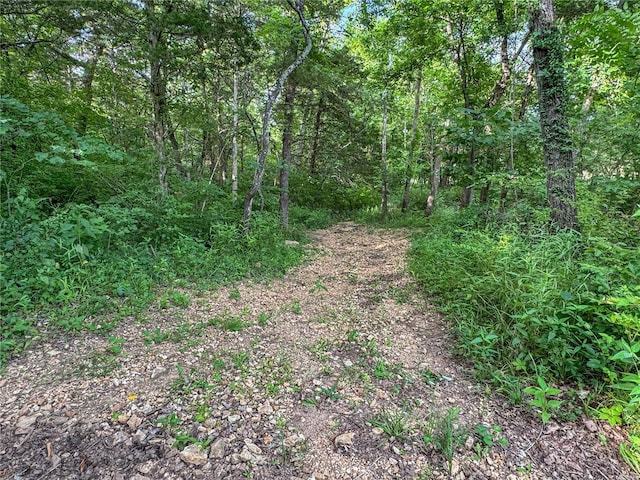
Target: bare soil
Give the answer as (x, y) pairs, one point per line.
(339, 370)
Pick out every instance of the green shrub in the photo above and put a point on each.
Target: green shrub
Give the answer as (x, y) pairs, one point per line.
(529, 304)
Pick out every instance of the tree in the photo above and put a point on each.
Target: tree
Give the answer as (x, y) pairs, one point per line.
(272, 95)
(548, 52)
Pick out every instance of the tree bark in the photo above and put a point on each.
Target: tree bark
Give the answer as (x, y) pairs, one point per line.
(412, 143)
(383, 156)
(175, 146)
(234, 142)
(158, 93)
(552, 100)
(313, 158)
(461, 60)
(287, 144)
(272, 97)
(87, 89)
(435, 177)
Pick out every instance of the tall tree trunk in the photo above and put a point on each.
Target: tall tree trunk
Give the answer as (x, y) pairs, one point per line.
(383, 156)
(412, 144)
(459, 55)
(313, 158)
(234, 146)
(175, 146)
(435, 176)
(158, 93)
(87, 89)
(548, 49)
(287, 143)
(220, 166)
(435, 183)
(528, 87)
(306, 115)
(272, 97)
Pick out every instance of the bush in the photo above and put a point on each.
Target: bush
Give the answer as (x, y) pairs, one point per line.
(531, 304)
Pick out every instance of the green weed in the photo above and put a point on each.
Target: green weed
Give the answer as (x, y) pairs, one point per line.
(383, 371)
(330, 392)
(395, 423)
(263, 318)
(444, 435)
(488, 436)
(541, 399)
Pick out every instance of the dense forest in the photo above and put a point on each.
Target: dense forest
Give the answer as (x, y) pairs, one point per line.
(154, 143)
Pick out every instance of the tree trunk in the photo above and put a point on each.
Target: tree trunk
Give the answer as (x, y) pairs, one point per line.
(287, 143)
(272, 97)
(459, 55)
(220, 166)
(437, 180)
(158, 93)
(175, 146)
(435, 183)
(313, 159)
(234, 141)
(548, 49)
(87, 89)
(412, 144)
(383, 156)
(521, 113)
(301, 137)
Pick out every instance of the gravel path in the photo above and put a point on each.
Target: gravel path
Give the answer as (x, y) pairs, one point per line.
(340, 370)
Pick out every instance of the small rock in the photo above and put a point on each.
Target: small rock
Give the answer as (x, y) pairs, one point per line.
(267, 439)
(235, 458)
(120, 437)
(551, 428)
(348, 363)
(469, 442)
(144, 468)
(24, 424)
(194, 455)
(291, 243)
(591, 425)
(259, 460)
(134, 422)
(318, 476)
(140, 436)
(157, 372)
(218, 448)
(293, 440)
(377, 431)
(455, 467)
(233, 418)
(147, 409)
(246, 455)
(344, 439)
(252, 447)
(122, 419)
(265, 409)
